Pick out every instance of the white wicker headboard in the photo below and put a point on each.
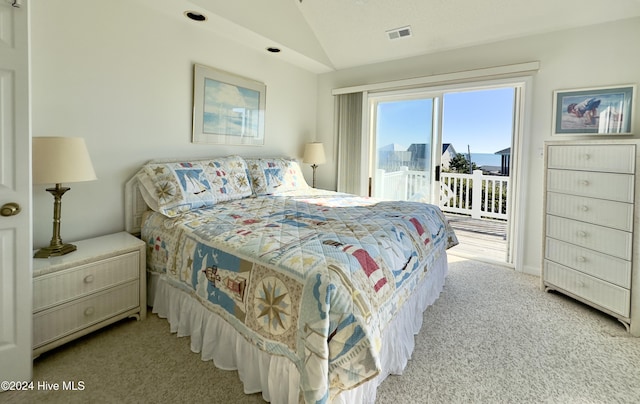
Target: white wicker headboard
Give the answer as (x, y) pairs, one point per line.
(134, 206)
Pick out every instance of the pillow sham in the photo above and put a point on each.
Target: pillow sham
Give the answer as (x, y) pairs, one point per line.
(273, 175)
(172, 188)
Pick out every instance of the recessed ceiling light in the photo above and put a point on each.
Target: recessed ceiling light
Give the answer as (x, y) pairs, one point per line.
(195, 16)
(273, 49)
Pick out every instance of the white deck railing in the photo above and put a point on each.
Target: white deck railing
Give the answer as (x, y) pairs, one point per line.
(458, 192)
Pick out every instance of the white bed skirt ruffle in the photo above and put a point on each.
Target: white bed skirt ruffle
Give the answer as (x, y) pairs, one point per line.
(276, 376)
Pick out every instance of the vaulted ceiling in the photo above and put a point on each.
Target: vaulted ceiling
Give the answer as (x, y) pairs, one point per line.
(326, 35)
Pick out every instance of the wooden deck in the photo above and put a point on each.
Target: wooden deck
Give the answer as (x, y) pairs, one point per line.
(483, 239)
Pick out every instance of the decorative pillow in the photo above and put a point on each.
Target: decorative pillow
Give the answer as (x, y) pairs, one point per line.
(177, 187)
(273, 175)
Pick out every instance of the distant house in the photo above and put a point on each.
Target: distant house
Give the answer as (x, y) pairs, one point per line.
(506, 160)
(393, 156)
(419, 156)
(448, 152)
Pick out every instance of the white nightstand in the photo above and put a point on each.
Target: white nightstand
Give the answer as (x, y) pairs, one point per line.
(102, 282)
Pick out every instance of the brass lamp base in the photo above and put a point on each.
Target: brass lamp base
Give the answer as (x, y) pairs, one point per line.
(55, 251)
(56, 246)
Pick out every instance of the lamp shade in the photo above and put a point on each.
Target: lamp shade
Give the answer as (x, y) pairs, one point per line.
(61, 159)
(314, 153)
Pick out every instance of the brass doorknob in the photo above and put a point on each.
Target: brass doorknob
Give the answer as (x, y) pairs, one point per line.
(10, 209)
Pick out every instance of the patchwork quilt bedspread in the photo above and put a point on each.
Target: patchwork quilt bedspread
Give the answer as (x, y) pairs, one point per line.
(313, 277)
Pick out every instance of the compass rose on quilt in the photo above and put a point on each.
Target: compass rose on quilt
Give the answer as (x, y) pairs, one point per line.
(272, 305)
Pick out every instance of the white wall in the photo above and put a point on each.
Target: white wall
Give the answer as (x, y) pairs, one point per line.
(591, 56)
(120, 75)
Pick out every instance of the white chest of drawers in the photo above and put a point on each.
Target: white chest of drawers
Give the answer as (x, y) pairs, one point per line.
(102, 282)
(590, 216)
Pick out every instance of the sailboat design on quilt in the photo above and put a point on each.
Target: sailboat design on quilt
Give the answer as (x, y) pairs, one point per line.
(193, 185)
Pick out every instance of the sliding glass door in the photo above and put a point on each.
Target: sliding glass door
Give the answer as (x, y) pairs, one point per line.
(404, 145)
(458, 146)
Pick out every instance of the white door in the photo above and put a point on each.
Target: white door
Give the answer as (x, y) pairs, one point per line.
(15, 191)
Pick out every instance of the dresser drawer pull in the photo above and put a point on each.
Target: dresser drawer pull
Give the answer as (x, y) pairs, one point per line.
(581, 284)
(582, 259)
(89, 311)
(584, 208)
(582, 233)
(89, 279)
(587, 156)
(584, 182)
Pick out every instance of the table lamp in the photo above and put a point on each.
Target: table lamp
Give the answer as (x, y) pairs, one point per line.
(314, 155)
(57, 160)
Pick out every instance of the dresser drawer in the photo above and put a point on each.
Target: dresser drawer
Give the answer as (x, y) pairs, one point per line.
(602, 266)
(66, 285)
(55, 323)
(618, 215)
(609, 158)
(615, 187)
(603, 294)
(599, 238)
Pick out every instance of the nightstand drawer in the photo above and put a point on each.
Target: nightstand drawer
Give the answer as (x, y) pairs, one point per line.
(615, 187)
(55, 323)
(609, 158)
(604, 294)
(618, 215)
(599, 238)
(602, 266)
(66, 285)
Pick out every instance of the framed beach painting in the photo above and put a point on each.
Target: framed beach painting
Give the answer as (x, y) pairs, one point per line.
(594, 111)
(227, 109)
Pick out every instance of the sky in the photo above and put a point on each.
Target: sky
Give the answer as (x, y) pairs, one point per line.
(480, 119)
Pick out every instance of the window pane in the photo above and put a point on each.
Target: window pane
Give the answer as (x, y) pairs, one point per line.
(404, 143)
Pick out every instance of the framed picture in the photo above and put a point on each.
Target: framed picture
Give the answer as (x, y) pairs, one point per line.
(227, 109)
(594, 111)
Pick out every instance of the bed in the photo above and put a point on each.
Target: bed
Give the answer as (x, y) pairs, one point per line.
(311, 295)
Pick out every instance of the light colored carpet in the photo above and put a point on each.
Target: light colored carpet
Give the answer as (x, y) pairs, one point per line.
(492, 337)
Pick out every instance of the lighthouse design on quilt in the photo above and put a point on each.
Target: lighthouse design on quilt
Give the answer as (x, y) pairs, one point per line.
(369, 266)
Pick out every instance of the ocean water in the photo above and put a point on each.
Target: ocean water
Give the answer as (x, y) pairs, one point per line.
(485, 159)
